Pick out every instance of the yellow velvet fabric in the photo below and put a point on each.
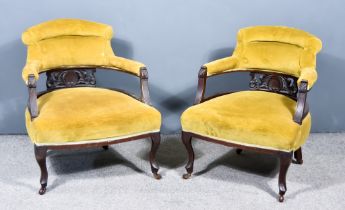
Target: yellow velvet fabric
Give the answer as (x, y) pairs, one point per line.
(86, 114)
(64, 43)
(252, 118)
(272, 48)
(66, 27)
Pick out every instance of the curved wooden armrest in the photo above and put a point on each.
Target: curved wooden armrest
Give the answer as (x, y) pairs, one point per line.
(201, 85)
(32, 102)
(145, 94)
(302, 108)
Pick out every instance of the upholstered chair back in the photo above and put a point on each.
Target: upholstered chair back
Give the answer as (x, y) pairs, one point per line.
(276, 48)
(68, 43)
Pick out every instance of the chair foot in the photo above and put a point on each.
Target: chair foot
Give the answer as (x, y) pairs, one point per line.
(157, 176)
(186, 176)
(41, 154)
(298, 157)
(156, 139)
(43, 189)
(281, 198)
(105, 147)
(187, 141)
(299, 162)
(239, 151)
(285, 161)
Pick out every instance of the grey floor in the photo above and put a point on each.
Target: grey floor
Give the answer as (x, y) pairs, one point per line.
(120, 178)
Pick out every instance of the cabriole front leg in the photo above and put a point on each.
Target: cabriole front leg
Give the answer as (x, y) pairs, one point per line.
(41, 154)
(156, 139)
(285, 161)
(187, 141)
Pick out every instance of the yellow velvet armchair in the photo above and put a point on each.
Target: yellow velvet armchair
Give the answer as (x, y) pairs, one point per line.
(73, 112)
(273, 115)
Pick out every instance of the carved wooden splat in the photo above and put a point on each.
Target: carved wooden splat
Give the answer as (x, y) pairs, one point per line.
(283, 84)
(71, 78)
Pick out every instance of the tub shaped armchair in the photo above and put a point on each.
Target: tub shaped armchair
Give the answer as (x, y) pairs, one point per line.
(73, 112)
(273, 115)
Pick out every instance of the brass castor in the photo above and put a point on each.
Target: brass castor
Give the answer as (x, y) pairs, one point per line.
(43, 189)
(157, 176)
(187, 175)
(281, 198)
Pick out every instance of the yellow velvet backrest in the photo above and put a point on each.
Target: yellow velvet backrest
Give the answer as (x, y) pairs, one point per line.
(277, 48)
(68, 42)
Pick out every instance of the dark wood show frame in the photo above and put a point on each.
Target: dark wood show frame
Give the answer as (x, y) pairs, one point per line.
(84, 77)
(260, 81)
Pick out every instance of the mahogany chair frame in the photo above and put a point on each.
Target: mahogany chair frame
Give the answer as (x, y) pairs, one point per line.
(84, 77)
(260, 81)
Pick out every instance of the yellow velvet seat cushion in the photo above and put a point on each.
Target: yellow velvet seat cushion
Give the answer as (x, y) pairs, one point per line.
(86, 114)
(251, 118)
